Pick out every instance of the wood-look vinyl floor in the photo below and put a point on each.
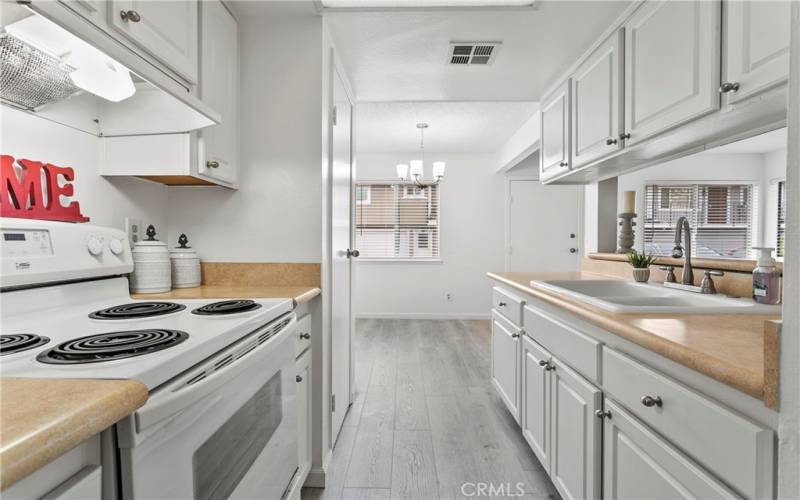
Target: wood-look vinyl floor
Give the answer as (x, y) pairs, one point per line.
(426, 422)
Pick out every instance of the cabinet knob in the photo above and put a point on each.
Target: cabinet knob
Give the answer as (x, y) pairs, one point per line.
(130, 15)
(501, 304)
(550, 366)
(602, 414)
(610, 141)
(573, 250)
(543, 362)
(212, 164)
(298, 378)
(514, 335)
(564, 164)
(729, 87)
(650, 401)
(305, 336)
(624, 136)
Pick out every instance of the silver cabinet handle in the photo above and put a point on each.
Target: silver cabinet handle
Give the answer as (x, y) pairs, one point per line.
(305, 336)
(729, 87)
(650, 401)
(212, 164)
(624, 136)
(298, 379)
(130, 15)
(352, 253)
(602, 414)
(610, 141)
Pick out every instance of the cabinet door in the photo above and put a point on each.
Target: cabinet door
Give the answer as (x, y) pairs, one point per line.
(535, 420)
(167, 29)
(596, 106)
(505, 373)
(672, 63)
(639, 464)
(555, 143)
(304, 413)
(756, 46)
(219, 88)
(576, 449)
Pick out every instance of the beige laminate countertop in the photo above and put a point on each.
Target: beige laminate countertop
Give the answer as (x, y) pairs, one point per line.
(300, 293)
(41, 419)
(737, 350)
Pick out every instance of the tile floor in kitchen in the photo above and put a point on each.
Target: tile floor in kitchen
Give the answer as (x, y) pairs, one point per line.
(426, 422)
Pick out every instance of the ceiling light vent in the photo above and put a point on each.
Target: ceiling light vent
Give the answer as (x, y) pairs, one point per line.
(472, 53)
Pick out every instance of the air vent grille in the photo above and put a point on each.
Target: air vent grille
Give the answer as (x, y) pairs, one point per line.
(473, 53)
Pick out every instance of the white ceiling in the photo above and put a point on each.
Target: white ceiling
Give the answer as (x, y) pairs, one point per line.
(454, 127)
(764, 143)
(402, 55)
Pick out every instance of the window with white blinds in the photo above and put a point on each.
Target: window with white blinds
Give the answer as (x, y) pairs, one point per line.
(720, 215)
(397, 221)
(781, 217)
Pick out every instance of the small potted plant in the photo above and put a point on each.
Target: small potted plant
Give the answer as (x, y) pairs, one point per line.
(641, 263)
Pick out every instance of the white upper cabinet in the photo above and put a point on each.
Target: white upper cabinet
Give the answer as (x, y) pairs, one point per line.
(555, 129)
(166, 29)
(596, 103)
(756, 47)
(219, 89)
(672, 65)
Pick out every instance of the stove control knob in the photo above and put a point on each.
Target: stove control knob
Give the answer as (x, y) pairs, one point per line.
(94, 245)
(116, 246)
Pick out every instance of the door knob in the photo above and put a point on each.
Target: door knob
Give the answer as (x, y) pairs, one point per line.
(130, 15)
(352, 253)
(729, 87)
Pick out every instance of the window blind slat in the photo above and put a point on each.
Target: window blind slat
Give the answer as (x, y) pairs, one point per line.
(397, 221)
(720, 216)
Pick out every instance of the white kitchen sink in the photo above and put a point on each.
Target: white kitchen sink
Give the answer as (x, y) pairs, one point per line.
(631, 298)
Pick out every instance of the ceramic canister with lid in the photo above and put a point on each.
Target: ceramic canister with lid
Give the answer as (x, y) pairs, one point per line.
(151, 266)
(185, 265)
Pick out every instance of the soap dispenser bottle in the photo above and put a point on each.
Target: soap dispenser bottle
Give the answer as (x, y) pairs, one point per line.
(766, 278)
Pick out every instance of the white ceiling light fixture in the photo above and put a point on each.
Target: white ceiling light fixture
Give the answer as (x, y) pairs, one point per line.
(424, 4)
(415, 170)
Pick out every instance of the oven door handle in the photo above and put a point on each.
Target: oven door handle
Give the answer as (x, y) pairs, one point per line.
(177, 396)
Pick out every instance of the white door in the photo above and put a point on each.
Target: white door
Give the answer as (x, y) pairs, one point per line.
(555, 143)
(167, 29)
(544, 226)
(341, 244)
(596, 105)
(219, 88)
(575, 439)
(505, 363)
(303, 379)
(672, 61)
(756, 46)
(639, 464)
(536, 400)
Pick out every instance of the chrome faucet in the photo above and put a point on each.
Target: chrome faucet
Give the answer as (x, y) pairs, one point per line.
(684, 249)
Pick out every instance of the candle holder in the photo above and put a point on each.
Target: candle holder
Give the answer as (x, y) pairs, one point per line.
(626, 233)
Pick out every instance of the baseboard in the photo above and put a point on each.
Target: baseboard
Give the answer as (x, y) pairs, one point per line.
(486, 315)
(316, 476)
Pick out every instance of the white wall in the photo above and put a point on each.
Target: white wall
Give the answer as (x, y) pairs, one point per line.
(105, 201)
(275, 216)
(471, 244)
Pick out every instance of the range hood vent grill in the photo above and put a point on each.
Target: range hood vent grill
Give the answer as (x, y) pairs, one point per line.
(31, 78)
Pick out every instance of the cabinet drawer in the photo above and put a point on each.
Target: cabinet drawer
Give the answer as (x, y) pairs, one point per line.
(508, 304)
(303, 335)
(580, 352)
(734, 448)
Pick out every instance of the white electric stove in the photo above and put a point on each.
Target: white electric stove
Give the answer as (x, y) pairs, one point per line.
(220, 372)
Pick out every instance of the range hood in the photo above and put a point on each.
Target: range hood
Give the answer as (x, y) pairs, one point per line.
(52, 73)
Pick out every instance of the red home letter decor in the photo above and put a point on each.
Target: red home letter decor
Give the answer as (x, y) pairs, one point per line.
(25, 196)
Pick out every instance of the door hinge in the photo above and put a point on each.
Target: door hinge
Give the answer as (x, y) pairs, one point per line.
(333, 403)
(333, 116)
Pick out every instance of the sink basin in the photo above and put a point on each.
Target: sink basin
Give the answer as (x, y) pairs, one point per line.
(631, 298)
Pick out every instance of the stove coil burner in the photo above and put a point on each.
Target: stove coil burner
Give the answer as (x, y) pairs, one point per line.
(137, 310)
(9, 344)
(111, 346)
(227, 307)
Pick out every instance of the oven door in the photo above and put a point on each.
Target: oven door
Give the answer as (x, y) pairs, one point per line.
(225, 429)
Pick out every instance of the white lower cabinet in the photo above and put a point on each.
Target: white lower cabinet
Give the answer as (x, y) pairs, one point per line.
(639, 464)
(535, 400)
(304, 415)
(505, 362)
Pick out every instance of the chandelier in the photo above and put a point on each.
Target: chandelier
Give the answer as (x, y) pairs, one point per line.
(414, 171)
